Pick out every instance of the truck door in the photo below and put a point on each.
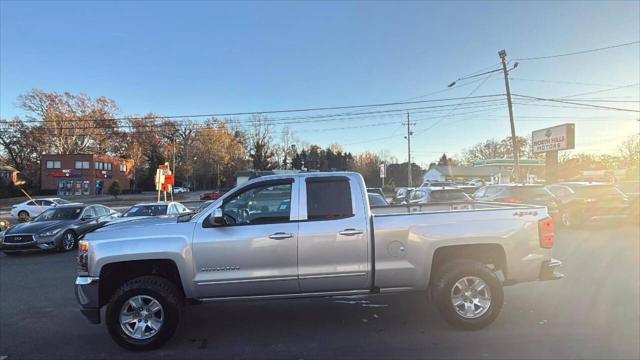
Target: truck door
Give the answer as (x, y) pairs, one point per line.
(255, 251)
(333, 249)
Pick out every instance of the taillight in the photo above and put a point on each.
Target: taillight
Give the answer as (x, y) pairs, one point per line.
(545, 233)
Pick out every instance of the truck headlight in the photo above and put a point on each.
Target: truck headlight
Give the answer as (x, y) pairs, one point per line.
(49, 233)
(83, 258)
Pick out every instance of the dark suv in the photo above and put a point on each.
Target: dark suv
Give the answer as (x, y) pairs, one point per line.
(583, 201)
(519, 194)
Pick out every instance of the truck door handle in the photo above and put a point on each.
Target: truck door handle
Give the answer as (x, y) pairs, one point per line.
(280, 236)
(350, 232)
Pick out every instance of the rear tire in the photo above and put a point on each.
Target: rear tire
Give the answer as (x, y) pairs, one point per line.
(162, 322)
(475, 290)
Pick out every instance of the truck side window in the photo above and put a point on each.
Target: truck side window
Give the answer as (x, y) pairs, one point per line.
(267, 204)
(328, 200)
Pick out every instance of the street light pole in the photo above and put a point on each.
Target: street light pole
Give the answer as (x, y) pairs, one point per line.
(514, 142)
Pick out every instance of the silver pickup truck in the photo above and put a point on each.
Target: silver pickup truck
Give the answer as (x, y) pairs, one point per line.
(308, 235)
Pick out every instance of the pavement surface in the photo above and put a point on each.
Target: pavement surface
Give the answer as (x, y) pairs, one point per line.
(594, 312)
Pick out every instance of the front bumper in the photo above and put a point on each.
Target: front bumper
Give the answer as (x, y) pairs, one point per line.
(548, 270)
(88, 296)
(38, 243)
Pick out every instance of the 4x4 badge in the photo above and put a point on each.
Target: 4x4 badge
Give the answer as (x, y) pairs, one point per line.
(525, 213)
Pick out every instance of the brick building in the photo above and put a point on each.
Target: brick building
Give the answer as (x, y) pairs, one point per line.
(84, 174)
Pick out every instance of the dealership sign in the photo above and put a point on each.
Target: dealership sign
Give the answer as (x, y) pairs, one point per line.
(561, 137)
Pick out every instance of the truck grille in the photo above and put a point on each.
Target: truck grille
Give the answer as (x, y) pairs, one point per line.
(18, 239)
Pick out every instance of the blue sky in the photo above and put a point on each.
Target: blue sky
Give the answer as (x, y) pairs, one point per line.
(177, 58)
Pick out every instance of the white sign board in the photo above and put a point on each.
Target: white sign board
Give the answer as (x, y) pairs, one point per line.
(382, 171)
(561, 137)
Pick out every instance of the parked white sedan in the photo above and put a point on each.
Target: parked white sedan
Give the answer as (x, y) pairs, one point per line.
(32, 208)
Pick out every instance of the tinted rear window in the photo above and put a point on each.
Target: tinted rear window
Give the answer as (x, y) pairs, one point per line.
(448, 195)
(530, 191)
(146, 210)
(599, 190)
(376, 200)
(327, 200)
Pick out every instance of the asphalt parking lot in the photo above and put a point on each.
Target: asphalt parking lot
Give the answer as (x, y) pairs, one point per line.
(594, 312)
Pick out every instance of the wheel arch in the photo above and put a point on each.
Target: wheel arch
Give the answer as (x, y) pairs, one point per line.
(115, 274)
(486, 253)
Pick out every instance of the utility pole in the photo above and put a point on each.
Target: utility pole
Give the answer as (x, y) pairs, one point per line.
(408, 137)
(514, 142)
(174, 164)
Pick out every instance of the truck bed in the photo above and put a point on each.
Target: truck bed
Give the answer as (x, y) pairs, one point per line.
(444, 207)
(403, 235)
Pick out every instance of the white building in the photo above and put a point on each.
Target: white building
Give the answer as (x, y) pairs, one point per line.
(497, 171)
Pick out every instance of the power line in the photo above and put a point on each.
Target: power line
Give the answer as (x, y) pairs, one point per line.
(601, 91)
(469, 96)
(189, 116)
(163, 128)
(432, 108)
(576, 52)
(561, 82)
(533, 103)
(575, 103)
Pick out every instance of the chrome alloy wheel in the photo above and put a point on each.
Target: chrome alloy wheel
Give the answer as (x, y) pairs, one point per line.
(68, 241)
(141, 317)
(471, 297)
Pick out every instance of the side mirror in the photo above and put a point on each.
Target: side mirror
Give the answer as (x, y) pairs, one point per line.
(216, 218)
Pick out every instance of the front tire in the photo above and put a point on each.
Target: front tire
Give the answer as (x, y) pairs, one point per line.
(68, 241)
(467, 294)
(144, 313)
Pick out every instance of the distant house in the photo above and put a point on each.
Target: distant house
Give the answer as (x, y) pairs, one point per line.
(465, 173)
(8, 173)
(496, 171)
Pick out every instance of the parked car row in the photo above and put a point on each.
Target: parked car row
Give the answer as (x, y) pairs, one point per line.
(57, 224)
(570, 203)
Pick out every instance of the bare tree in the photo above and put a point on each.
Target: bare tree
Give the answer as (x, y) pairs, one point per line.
(629, 151)
(260, 144)
(72, 123)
